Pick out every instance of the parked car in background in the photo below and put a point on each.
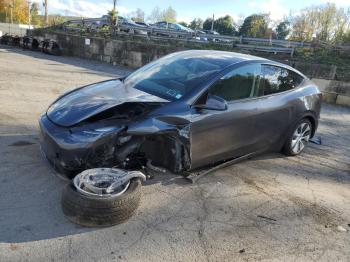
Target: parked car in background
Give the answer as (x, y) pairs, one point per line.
(212, 33)
(200, 35)
(124, 23)
(95, 24)
(143, 24)
(172, 27)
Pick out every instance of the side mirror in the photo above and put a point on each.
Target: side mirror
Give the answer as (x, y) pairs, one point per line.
(213, 103)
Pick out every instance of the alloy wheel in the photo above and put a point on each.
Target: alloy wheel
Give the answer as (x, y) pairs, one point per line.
(300, 138)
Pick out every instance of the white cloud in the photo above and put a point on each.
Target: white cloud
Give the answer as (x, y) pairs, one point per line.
(253, 4)
(84, 8)
(275, 8)
(186, 19)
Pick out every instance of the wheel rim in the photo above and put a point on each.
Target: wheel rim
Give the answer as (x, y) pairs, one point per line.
(99, 182)
(301, 137)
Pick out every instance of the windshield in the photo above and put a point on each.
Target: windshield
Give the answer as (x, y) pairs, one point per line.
(174, 75)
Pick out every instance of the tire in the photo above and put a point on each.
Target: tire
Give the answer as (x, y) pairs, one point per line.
(94, 211)
(292, 147)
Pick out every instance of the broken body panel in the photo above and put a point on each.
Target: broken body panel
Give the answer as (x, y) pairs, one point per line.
(105, 125)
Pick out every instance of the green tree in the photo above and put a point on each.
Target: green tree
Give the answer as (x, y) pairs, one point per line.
(112, 17)
(282, 30)
(156, 15)
(138, 15)
(34, 12)
(327, 22)
(196, 23)
(223, 25)
(255, 25)
(169, 15)
(207, 24)
(183, 23)
(56, 20)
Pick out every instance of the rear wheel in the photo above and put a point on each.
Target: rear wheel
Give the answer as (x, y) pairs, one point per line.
(298, 138)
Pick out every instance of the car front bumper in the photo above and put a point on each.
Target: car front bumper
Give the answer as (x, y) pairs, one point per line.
(70, 152)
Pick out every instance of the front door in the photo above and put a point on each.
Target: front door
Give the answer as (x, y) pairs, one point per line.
(221, 135)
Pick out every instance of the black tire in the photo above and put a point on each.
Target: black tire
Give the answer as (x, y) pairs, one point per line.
(287, 147)
(93, 211)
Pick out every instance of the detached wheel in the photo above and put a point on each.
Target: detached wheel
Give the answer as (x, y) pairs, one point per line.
(298, 138)
(92, 203)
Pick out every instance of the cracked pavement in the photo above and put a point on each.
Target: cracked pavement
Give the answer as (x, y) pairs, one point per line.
(269, 208)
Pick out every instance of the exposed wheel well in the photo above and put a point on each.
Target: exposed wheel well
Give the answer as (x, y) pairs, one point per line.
(313, 123)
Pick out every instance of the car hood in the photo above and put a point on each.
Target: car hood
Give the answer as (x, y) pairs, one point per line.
(85, 102)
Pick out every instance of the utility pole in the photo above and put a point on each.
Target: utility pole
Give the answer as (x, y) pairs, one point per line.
(212, 24)
(11, 10)
(115, 23)
(46, 13)
(29, 14)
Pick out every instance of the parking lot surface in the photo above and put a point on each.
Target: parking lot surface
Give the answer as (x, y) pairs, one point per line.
(270, 208)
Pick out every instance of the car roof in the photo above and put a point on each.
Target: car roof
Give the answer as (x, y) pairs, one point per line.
(231, 57)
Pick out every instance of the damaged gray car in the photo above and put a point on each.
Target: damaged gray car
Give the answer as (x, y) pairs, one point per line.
(187, 111)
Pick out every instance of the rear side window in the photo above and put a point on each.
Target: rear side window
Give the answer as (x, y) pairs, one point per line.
(173, 26)
(277, 79)
(240, 83)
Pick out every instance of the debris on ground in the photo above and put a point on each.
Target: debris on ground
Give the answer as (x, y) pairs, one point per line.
(341, 229)
(316, 140)
(268, 218)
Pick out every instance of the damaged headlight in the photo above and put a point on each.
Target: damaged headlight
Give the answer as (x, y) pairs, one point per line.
(99, 130)
(123, 139)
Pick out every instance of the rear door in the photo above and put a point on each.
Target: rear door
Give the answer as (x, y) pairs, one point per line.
(276, 105)
(221, 135)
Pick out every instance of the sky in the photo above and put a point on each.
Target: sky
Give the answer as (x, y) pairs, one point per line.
(187, 10)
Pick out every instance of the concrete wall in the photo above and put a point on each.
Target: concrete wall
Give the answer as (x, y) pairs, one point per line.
(15, 29)
(334, 92)
(132, 53)
(334, 86)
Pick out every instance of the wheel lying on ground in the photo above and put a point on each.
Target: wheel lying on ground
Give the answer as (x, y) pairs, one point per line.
(298, 138)
(91, 202)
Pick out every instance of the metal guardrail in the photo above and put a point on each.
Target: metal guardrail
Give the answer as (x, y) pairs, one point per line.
(216, 38)
(285, 43)
(270, 49)
(154, 33)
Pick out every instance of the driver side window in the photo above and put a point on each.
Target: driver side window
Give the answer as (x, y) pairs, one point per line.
(240, 83)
